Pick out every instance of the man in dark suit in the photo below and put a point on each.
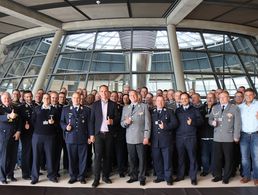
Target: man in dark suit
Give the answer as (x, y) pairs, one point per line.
(163, 122)
(75, 120)
(9, 136)
(104, 118)
(26, 110)
(189, 119)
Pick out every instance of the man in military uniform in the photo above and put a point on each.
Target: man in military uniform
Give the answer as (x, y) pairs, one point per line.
(137, 121)
(163, 123)
(26, 110)
(226, 119)
(9, 136)
(44, 120)
(75, 120)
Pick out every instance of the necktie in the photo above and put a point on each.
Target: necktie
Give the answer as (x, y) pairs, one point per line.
(133, 108)
(159, 113)
(222, 109)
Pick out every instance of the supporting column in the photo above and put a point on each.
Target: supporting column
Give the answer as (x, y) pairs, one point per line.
(2, 53)
(176, 57)
(48, 61)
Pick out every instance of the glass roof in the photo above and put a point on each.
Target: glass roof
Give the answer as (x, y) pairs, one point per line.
(112, 40)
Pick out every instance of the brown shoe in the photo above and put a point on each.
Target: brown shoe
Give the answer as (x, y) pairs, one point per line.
(244, 180)
(256, 182)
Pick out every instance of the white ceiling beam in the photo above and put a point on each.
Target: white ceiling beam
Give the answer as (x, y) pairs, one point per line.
(19, 11)
(182, 9)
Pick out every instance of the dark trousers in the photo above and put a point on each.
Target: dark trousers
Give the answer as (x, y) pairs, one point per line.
(59, 147)
(162, 161)
(103, 151)
(121, 153)
(77, 154)
(206, 148)
(186, 146)
(46, 144)
(8, 155)
(26, 157)
(223, 152)
(137, 157)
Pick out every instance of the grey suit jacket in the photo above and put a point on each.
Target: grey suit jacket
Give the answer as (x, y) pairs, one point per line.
(228, 123)
(141, 123)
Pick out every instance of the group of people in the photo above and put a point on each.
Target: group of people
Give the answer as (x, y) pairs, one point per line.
(172, 132)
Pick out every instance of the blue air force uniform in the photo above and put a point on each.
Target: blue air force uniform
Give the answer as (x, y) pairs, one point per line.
(77, 139)
(8, 145)
(26, 137)
(186, 139)
(161, 142)
(44, 139)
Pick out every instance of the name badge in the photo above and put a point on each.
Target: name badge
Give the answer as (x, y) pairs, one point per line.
(45, 122)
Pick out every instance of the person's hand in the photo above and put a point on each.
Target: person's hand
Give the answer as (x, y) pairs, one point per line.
(161, 125)
(109, 121)
(69, 127)
(92, 139)
(27, 125)
(17, 135)
(128, 120)
(12, 115)
(214, 123)
(145, 141)
(189, 121)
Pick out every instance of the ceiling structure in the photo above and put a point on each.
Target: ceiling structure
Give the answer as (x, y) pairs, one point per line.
(19, 15)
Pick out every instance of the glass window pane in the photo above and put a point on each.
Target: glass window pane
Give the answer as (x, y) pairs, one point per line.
(243, 45)
(202, 84)
(161, 62)
(74, 62)
(143, 39)
(70, 82)
(189, 40)
(44, 45)
(35, 65)
(110, 62)
(231, 63)
(27, 83)
(12, 51)
(9, 84)
(250, 63)
(4, 67)
(255, 81)
(18, 67)
(153, 81)
(196, 61)
(255, 42)
(216, 42)
(79, 42)
(115, 82)
(108, 40)
(28, 48)
(162, 40)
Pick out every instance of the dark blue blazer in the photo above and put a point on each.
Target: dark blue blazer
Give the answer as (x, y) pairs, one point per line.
(80, 122)
(163, 137)
(96, 116)
(185, 130)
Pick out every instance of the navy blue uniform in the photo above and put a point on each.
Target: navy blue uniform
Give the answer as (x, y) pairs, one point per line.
(8, 145)
(186, 140)
(25, 111)
(161, 142)
(44, 139)
(77, 139)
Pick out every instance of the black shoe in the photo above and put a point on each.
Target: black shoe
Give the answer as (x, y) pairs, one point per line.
(131, 180)
(169, 183)
(178, 179)
(106, 180)
(54, 180)
(4, 182)
(158, 180)
(121, 175)
(95, 184)
(12, 179)
(40, 173)
(26, 178)
(204, 174)
(216, 179)
(142, 183)
(58, 175)
(33, 182)
(71, 181)
(82, 181)
(225, 181)
(194, 182)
